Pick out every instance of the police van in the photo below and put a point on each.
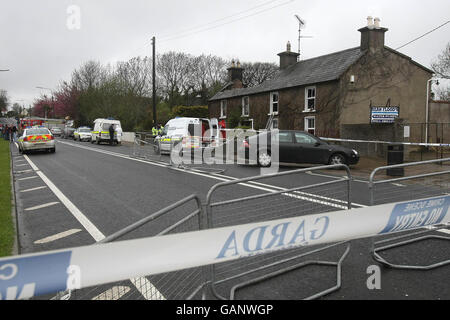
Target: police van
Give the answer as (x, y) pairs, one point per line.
(100, 133)
(187, 133)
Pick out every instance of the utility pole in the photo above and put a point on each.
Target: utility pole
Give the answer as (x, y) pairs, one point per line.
(154, 80)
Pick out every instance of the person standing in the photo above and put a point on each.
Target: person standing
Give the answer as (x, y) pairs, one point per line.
(14, 134)
(111, 134)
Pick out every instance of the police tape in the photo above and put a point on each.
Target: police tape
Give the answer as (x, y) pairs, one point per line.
(389, 142)
(25, 276)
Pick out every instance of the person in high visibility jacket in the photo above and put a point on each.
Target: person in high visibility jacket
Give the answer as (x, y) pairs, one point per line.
(154, 131)
(160, 129)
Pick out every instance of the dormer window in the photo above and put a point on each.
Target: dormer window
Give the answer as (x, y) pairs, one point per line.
(310, 99)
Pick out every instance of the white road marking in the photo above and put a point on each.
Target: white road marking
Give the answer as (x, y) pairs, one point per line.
(45, 205)
(333, 177)
(28, 178)
(57, 236)
(23, 171)
(115, 293)
(85, 222)
(397, 184)
(34, 189)
(21, 165)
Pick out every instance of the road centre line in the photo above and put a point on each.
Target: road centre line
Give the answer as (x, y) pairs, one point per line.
(85, 222)
(57, 236)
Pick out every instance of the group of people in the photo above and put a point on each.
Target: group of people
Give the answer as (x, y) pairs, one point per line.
(157, 130)
(9, 132)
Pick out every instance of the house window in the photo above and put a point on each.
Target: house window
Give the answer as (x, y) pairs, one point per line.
(274, 123)
(245, 106)
(310, 98)
(274, 103)
(223, 109)
(310, 125)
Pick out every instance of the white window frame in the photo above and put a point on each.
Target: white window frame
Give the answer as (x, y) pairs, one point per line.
(223, 109)
(310, 98)
(307, 128)
(275, 121)
(272, 94)
(244, 105)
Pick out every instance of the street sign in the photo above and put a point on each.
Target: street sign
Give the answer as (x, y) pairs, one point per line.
(384, 114)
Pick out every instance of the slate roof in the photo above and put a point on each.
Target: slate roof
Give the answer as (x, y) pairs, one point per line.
(320, 69)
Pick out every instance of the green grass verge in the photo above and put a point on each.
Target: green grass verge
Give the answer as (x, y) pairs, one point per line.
(7, 231)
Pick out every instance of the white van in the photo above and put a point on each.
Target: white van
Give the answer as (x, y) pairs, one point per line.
(100, 133)
(190, 132)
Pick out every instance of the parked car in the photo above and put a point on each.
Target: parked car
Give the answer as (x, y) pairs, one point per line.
(40, 139)
(56, 131)
(82, 134)
(298, 147)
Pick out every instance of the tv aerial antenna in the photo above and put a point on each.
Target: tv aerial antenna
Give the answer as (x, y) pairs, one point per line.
(301, 26)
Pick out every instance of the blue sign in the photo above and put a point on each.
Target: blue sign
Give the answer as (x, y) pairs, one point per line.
(416, 214)
(22, 278)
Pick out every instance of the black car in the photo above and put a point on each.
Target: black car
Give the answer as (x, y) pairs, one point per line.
(298, 147)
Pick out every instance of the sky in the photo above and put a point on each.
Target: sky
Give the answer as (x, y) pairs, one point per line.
(43, 41)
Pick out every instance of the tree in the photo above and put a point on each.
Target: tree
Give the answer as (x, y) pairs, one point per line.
(441, 66)
(258, 72)
(4, 101)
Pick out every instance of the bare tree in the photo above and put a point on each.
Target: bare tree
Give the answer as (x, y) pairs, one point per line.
(441, 66)
(258, 72)
(89, 75)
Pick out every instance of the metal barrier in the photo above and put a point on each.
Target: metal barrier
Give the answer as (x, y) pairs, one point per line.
(182, 216)
(426, 185)
(267, 203)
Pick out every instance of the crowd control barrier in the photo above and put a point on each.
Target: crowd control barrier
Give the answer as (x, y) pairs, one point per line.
(181, 216)
(224, 207)
(427, 184)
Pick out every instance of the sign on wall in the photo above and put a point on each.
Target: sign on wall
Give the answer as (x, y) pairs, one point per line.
(384, 114)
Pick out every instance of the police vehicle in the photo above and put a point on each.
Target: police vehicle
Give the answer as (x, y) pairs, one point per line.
(36, 138)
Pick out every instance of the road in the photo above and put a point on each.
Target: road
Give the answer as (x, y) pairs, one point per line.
(85, 192)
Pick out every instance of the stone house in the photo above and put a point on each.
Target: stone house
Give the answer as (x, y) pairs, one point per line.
(333, 95)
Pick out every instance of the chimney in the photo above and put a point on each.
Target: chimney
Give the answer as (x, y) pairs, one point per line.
(372, 36)
(235, 74)
(287, 58)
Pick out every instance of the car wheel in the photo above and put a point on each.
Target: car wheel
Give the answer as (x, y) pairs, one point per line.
(53, 150)
(337, 159)
(264, 159)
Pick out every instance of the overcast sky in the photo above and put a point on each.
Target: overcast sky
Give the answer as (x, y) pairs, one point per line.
(42, 41)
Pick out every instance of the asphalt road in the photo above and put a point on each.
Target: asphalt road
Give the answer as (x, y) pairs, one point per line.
(113, 191)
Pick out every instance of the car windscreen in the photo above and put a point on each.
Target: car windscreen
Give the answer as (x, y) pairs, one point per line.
(32, 132)
(84, 130)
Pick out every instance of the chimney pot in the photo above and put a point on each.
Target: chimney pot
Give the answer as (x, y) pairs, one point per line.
(370, 22)
(377, 23)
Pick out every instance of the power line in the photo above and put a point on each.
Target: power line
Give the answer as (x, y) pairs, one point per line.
(423, 35)
(175, 36)
(218, 20)
(220, 25)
